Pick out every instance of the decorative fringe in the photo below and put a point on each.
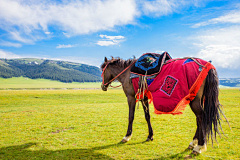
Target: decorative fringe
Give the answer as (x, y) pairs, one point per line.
(147, 93)
(143, 90)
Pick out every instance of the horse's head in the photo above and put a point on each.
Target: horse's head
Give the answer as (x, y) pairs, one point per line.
(112, 70)
(106, 74)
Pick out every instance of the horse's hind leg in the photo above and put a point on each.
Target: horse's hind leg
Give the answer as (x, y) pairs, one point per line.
(131, 104)
(147, 117)
(194, 143)
(197, 135)
(199, 140)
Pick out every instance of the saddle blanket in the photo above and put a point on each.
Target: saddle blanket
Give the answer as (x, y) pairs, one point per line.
(150, 64)
(177, 84)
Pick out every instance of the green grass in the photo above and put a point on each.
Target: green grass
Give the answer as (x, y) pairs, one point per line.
(89, 124)
(27, 83)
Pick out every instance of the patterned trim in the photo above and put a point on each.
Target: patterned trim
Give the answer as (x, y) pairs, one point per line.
(151, 59)
(169, 85)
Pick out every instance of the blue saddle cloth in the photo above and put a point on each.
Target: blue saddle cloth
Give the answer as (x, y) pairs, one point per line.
(150, 63)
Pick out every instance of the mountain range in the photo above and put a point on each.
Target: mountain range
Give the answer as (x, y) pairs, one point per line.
(230, 82)
(49, 69)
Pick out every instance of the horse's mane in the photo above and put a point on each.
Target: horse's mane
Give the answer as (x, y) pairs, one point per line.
(119, 62)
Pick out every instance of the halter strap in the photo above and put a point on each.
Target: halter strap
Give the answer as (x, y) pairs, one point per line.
(115, 76)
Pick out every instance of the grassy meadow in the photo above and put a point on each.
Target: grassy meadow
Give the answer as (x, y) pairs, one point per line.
(27, 83)
(89, 124)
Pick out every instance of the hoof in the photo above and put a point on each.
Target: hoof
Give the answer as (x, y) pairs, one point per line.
(193, 144)
(190, 147)
(199, 149)
(126, 139)
(149, 139)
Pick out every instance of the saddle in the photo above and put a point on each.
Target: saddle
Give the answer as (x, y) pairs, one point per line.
(150, 64)
(144, 71)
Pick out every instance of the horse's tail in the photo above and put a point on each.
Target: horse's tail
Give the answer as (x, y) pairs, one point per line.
(212, 107)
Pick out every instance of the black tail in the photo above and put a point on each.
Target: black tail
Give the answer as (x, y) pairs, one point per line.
(212, 106)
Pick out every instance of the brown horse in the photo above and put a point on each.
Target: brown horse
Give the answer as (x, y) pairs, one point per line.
(205, 106)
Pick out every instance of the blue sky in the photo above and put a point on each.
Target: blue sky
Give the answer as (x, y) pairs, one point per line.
(86, 31)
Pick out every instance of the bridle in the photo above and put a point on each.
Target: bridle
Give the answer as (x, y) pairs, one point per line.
(102, 75)
(105, 84)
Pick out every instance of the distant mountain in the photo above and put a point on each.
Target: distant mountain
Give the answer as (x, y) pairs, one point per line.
(230, 82)
(49, 69)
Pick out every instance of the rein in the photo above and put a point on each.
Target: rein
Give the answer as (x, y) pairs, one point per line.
(115, 76)
(115, 86)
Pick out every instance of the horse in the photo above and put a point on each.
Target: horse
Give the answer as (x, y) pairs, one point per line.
(205, 105)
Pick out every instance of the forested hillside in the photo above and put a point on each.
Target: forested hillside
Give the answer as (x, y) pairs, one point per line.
(49, 69)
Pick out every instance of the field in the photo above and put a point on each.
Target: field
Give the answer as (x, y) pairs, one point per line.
(27, 83)
(89, 124)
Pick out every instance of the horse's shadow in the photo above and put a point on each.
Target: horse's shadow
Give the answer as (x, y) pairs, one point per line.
(24, 152)
(186, 154)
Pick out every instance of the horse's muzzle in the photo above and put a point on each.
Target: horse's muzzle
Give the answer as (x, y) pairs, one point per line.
(104, 88)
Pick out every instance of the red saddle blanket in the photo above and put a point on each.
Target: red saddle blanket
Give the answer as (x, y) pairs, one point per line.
(177, 84)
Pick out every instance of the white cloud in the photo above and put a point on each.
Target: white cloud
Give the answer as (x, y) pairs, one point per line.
(105, 43)
(224, 56)
(223, 36)
(30, 21)
(72, 17)
(110, 40)
(112, 37)
(66, 34)
(232, 17)
(17, 37)
(48, 32)
(6, 54)
(65, 46)
(221, 46)
(159, 8)
(10, 44)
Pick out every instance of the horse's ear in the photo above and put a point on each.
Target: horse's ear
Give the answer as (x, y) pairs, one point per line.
(105, 59)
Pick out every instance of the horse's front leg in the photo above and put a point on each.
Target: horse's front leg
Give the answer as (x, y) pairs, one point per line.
(131, 104)
(147, 117)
